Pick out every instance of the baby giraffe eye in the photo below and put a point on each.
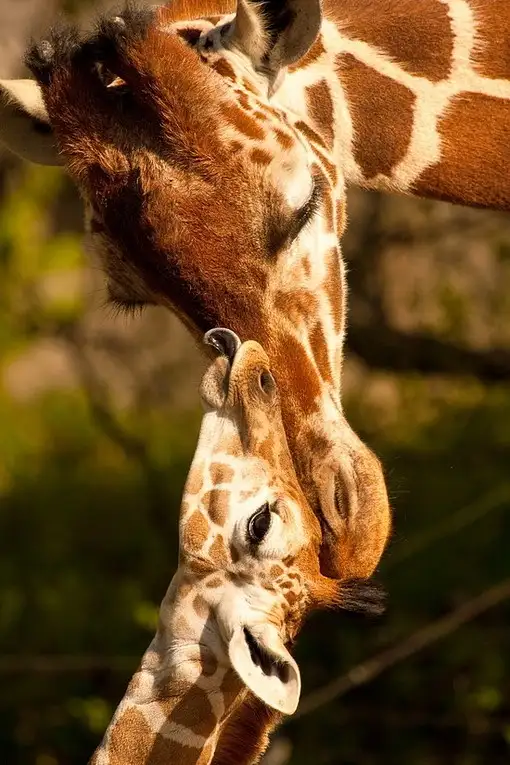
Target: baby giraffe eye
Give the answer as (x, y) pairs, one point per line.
(259, 524)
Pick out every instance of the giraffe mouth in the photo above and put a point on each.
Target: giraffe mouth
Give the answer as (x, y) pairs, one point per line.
(270, 663)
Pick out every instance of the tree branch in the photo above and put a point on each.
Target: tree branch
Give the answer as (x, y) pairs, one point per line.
(63, 663)
(382, 347)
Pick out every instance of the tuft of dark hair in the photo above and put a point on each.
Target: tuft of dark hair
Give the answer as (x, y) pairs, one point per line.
(363, 596)
(58, 49)
(115, 32)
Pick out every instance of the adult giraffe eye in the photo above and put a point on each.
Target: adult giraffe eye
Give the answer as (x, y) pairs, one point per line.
(259, 524)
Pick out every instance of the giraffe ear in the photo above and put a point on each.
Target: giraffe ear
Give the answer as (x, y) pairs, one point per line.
(24, 124)
(276, 33)
(265, 666)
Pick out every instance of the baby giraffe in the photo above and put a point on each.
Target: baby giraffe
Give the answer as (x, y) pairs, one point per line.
(248, 574)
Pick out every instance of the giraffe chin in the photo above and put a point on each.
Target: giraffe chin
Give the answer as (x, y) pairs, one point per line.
(265, 666)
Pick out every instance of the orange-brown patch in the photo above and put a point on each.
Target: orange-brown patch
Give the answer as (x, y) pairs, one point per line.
(221, 66)
(327, 167)
(216, 504)
(291, 597)
(131, 739)
(334, 288)
(235, 146)
(416, 34)
(276, 571)
(285, 140)
(185, 588)
(199, 566)
(221, 473)
(266, 449)
(214, 581)
(259, 115)
(320, 108)
(193, 711)
(200, 607)
(247, 85)
(492, 51)
(320, 351)
(382, 112)
(218, 552)
(181, 628)
(195, 532)
(244, 101)
(471, 170)
(328, 211)
(310, 133)
(299, 372)
(261, 157)
(341, 216)
(269, 110)
(242, 122)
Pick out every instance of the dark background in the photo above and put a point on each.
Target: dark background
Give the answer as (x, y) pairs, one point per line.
(98, 421)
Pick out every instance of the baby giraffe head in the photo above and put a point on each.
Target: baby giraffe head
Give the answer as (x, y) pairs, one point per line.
(249, 542)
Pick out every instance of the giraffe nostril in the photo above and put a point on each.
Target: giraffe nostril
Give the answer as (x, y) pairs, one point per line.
(267, 383)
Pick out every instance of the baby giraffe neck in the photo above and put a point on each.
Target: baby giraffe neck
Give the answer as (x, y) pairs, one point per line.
(179, 699)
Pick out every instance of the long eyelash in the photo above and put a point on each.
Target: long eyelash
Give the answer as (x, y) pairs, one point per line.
(310, 208)
(117, 307)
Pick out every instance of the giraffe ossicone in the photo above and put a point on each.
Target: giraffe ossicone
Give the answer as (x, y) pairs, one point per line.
(247, 577)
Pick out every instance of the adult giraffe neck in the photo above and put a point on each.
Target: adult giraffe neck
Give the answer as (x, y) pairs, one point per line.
(416, 98)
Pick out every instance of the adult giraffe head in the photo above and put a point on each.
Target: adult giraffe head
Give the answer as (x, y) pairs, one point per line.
(208, 193)
(248, 575)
